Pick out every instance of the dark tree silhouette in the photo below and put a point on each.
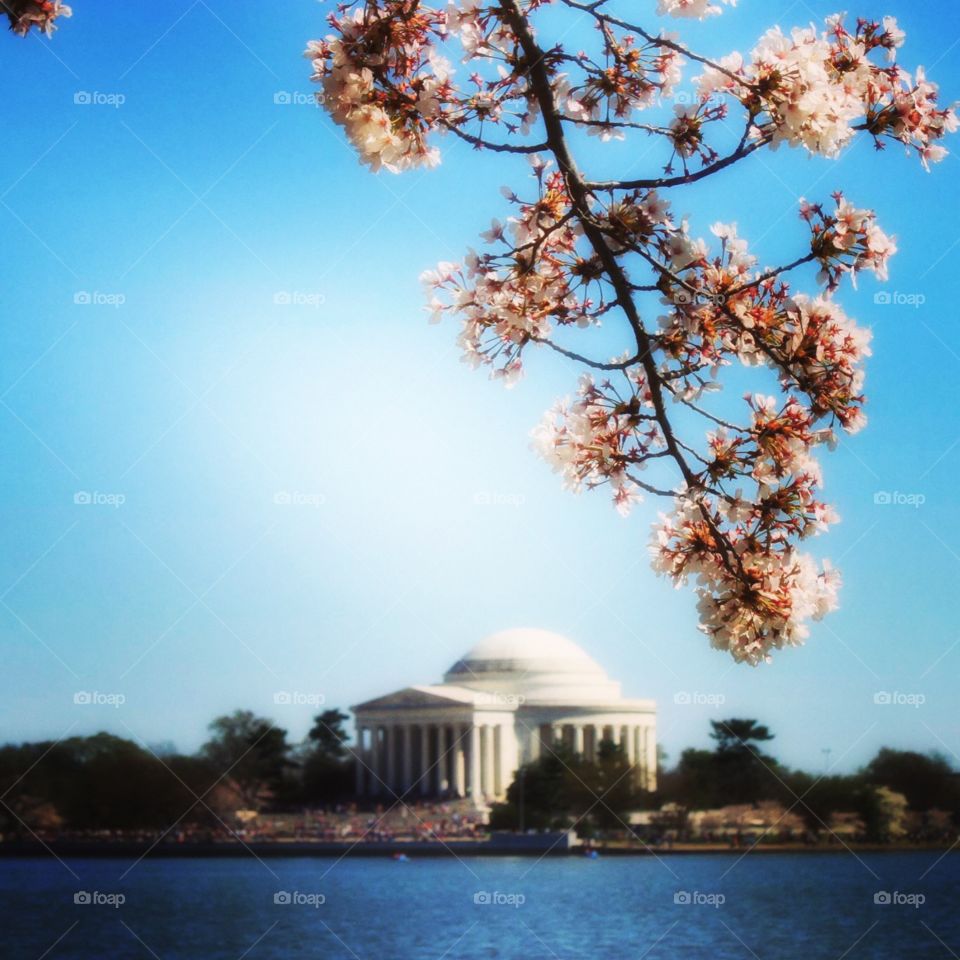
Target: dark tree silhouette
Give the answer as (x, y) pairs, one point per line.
(251, 753)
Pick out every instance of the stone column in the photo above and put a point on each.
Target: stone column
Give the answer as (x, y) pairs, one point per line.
(390, 743)
(375, 785)
(460, 734)
(475, 792)
(597, 740)
(578, 739)
(360, 757)
(626, 744)
(487, 774)
(407, 782)
(441, 778)
(642, 756)
(650, 733)
(532, 736)
(499, 784)
(424, 759)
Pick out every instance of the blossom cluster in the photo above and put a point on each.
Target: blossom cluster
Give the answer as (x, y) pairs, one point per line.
(756, 589)
(847, 240)
(809, 89)
(823, 350)
(383, 82)
(751, 601)
(24, 15)
(507, 300)
(686, 132)
(722, 307)
(601, 436)
(631, 77)
(695, 9)
(912, 115)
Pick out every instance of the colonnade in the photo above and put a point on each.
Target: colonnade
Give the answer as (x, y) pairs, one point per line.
(434, 759)
(637, 741)
(478, 760)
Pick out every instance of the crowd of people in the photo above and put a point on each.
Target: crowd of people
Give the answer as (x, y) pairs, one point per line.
(342, 823)
(345, 822)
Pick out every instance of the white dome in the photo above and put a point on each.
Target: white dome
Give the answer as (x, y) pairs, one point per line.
(525, 649)
(538, 664)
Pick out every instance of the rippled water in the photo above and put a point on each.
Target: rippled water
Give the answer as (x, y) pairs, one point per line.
(765, 906)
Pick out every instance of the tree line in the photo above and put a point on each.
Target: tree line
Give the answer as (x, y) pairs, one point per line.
(105, 782)
(561, 790)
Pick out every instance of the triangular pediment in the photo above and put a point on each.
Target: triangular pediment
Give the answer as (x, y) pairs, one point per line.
(442, 695)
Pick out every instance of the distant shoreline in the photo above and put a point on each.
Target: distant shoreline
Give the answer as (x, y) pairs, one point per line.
(548, 846)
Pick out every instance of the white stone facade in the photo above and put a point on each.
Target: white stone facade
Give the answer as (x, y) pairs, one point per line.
(501, 705)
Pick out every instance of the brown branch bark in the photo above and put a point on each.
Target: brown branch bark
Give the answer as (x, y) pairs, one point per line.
(580, 196)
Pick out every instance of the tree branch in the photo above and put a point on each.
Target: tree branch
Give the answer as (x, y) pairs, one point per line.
(580, 200)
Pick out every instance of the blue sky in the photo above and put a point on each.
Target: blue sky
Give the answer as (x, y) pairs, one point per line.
(189, 212)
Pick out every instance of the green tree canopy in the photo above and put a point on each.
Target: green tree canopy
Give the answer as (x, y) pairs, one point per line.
(251, 753)
(926, 780)
(327, 768)
(561, 789)
(98, 782)
(327, 734)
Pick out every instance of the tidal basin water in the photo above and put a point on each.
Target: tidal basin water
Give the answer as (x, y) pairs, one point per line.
(765, 906)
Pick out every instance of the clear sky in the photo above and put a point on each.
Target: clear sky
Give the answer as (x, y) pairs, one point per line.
(418, 520)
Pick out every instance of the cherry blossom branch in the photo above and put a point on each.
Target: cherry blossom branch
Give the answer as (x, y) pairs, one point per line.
(483, 144)
(580, 198)
(660, 183)
(594, 10)
(770, 274)
(750, 495)
(586, 361)
(706, 413)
